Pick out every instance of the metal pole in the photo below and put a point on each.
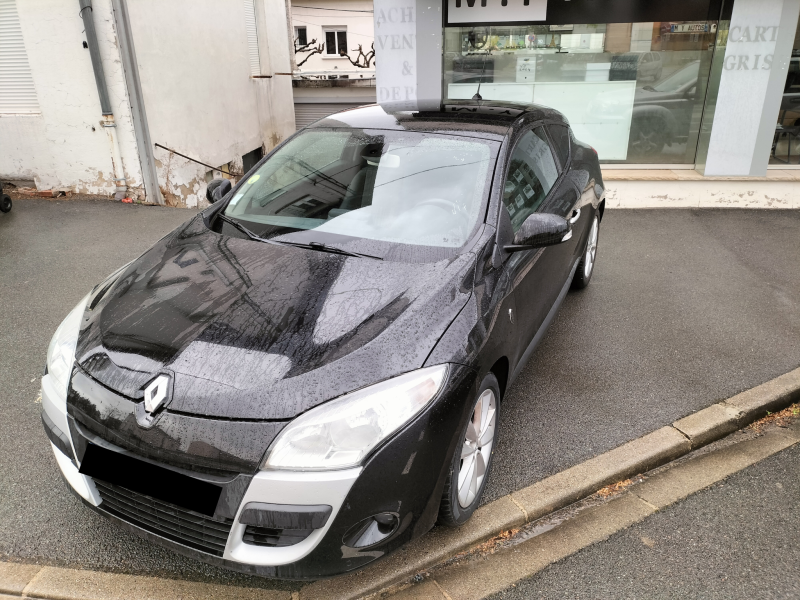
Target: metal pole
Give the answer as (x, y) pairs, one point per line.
(141, 129)
(87, 14)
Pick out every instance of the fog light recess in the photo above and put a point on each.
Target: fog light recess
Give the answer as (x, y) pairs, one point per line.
(372, 530)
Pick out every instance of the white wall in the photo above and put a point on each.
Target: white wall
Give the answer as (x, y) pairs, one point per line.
(359, 26)
(58, 148)
(198, 91)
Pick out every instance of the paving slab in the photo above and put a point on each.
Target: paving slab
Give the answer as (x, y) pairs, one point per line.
(14, 577)
(72, 584)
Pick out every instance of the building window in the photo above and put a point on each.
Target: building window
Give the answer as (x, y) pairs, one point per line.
(301, 36)
(335, 42)
(17, 94)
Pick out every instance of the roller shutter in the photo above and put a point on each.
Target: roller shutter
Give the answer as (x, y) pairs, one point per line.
(305, 114)
(17, 94)
(252, 37)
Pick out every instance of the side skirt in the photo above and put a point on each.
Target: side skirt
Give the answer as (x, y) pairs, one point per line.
(545, 325)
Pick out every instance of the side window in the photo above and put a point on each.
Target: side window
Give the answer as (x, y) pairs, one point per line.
(560, 135)
(532, 172)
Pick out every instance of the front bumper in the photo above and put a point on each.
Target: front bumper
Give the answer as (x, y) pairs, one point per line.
(404, 477)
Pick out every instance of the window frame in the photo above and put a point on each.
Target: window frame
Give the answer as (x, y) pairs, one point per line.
(554, 145)
(335, 30)
(297, 29)
(525, 128)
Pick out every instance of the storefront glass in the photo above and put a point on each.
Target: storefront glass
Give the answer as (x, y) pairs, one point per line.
(634, 91)
(786, 145)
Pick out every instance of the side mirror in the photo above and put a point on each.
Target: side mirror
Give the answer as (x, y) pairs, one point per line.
(216, 189)
(540, 230)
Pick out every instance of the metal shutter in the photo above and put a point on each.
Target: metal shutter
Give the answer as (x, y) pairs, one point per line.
(252, 37)
(305, 114)
(17, 94)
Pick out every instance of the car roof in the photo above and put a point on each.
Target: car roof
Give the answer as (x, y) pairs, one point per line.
(485, 119)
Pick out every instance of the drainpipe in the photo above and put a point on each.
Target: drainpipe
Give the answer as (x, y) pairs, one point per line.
(105, 104)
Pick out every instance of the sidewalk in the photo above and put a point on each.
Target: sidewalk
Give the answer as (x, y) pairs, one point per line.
(686, 188)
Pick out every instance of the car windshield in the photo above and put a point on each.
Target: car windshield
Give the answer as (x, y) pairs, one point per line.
(679, 79)
(397, 187)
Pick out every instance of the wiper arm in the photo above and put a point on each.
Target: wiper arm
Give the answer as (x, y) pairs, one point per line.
(330, 249)
(246, 231)
(310, 246)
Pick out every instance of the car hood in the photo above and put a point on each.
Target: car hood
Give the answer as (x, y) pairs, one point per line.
(256, 331)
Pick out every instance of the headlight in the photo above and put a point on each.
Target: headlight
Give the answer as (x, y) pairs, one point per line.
(61, 353)
(342, 432)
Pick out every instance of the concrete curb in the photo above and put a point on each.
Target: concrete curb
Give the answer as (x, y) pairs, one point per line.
(516, 509)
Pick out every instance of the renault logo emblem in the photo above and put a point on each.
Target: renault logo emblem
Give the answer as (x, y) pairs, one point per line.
(156, 392)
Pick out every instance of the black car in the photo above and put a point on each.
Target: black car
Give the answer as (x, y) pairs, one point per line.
(309, 373)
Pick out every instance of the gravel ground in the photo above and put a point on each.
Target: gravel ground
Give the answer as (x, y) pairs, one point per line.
(686, 307)
(739, 539)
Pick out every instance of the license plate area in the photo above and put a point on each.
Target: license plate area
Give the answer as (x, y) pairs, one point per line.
(150, 480)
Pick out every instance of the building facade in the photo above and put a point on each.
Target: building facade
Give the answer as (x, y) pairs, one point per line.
(710, 86)
(334, 57)
(207, 79)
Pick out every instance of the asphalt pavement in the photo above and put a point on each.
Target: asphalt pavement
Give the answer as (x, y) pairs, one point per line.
(738, 540)
(686, 307)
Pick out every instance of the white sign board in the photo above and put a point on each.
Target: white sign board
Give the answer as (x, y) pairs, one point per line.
(461, 12)
(750, 91)
(408, 49)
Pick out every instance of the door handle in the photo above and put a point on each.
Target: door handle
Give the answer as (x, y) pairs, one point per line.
(576, 214)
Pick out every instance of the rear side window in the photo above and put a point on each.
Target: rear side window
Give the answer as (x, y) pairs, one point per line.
(560, 135)
(532, 172)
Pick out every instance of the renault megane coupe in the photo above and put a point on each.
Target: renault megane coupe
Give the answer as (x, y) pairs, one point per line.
(310, 372)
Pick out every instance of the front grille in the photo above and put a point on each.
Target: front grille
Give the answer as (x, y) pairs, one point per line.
(275, 538)
(172, 522)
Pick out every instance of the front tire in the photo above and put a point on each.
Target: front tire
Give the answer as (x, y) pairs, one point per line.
(472, 460)
(583, 274)
(5, 203)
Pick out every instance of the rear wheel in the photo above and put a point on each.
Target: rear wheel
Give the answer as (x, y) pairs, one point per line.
(5, 203)
(648, 137)
(586, 267)
(472, 460)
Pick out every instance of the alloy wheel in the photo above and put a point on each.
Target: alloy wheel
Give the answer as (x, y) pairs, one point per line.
(477, 448)
(591, 251)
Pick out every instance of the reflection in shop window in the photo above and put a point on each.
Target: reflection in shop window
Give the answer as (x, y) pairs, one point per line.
(634, 91)
(786, 144)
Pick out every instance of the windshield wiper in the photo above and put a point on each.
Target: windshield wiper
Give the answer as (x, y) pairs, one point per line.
(330, 249)
(246, 231)
(310, 246)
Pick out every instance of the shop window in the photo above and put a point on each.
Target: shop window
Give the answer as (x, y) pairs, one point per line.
(335, 42)
(633, 91)
(786, 144)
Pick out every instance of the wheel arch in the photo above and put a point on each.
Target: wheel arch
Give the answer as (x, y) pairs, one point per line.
(500, 370)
